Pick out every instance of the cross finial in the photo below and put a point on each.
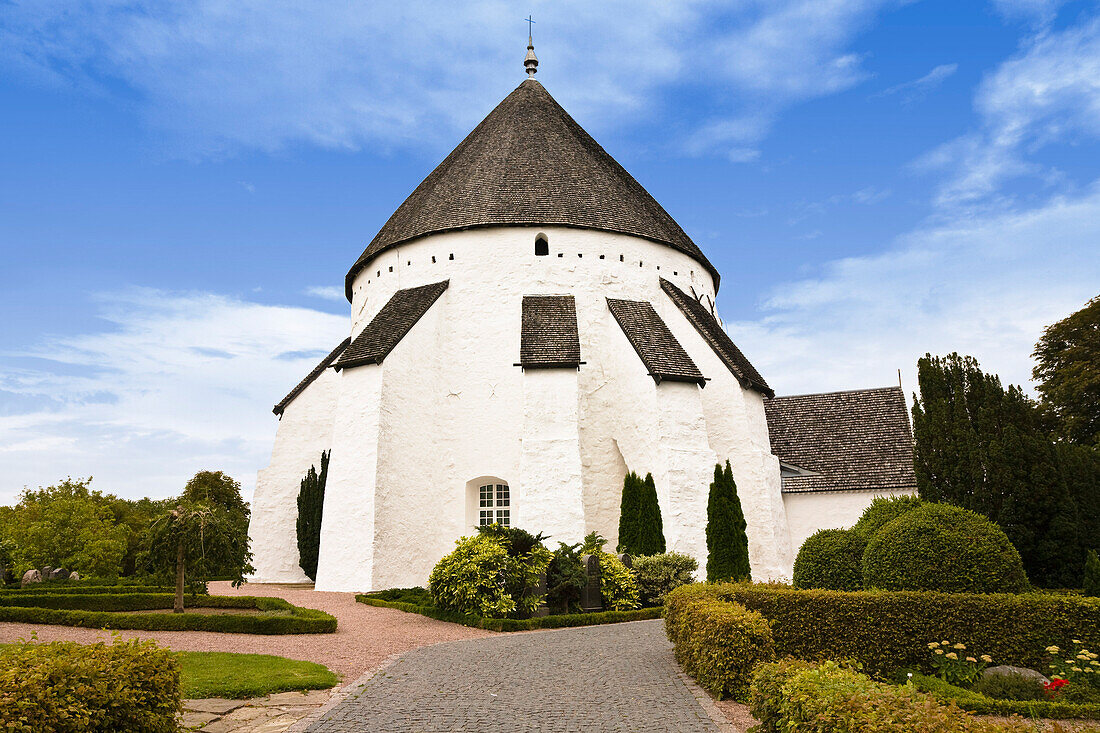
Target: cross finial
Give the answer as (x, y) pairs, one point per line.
(531, 63)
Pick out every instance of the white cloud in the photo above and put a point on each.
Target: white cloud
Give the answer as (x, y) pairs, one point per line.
(179, 383)
(327, 292)
(1039, 12)
(219, 75)
(1047, 94)
(985, 286)
(918, 89)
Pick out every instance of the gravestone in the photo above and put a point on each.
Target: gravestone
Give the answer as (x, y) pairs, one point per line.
(627, 560)
(59, 574)
(74, 576)
(591, 598)
(32, 576)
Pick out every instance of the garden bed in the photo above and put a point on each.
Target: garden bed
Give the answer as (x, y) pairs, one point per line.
(115, 611)
(975, 702)
(386, 599)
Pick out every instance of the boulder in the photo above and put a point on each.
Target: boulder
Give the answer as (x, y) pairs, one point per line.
(74, 575)
(32, 576)
(59, 574)
(1005, 670)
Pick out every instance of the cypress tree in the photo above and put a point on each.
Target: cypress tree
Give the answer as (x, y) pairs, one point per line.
(727, 541)
(1092, 574)
(629, 513)
(980, 446)
(651, 531)
(311, 503)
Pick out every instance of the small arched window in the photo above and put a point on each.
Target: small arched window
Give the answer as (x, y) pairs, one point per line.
(542, 246)
(488, 501)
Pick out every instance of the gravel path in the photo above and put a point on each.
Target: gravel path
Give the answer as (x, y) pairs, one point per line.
(618, 677)
(365, 636)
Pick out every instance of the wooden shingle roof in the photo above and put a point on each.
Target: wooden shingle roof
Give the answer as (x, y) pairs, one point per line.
(548, 336)
(317, 370)
(658, 349)
(390, 325)
(855, 441)
(713, 333)
(529, 164)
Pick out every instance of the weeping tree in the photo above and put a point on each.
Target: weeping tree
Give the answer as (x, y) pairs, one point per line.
(197, 539)
(311, 502)
(727, 541)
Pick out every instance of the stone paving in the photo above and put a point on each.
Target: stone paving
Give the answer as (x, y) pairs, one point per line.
(271, 714)
(617, 677)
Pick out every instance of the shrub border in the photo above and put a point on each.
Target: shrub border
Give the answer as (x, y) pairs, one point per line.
(513, 624)
(975, 702)
(300, 621)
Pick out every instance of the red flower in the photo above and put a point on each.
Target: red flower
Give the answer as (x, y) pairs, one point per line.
(1055, 686)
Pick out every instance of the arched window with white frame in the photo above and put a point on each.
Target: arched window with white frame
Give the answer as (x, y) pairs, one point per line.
(488, 501)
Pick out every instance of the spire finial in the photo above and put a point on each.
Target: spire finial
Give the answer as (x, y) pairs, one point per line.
(531, 63)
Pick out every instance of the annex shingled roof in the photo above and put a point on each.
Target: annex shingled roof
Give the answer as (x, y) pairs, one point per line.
(713, 333)
(325, 364)
(548, 335)
(390, 325)
(857, 440)
(529, 163)
(658, 349)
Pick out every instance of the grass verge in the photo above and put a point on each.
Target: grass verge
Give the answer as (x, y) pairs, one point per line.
(512, 624)
(240, 676)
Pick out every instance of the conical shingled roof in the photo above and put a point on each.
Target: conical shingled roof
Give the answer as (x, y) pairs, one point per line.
(529, 163)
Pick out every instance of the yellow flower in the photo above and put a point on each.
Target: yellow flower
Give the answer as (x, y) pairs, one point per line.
(1053, 650)
(945, 642)
(939, 651)
(1087, 670)
(952, 655)
(960, 646)
(1074, 669)
(987, 659)
(933, 645)
(972, 660)
(1076, 641)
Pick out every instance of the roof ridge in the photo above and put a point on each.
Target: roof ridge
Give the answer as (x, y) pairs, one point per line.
(840, 391)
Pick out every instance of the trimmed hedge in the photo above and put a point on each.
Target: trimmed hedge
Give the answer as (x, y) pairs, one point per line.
(832, 559)
(40, 589)
(511, 624)
(888, 631)
(98, 688)
(274, 615)
(718, 643)
(982, 705)
(943, 548)
(789, 698)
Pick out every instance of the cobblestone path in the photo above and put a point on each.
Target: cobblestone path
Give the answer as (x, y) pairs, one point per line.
(618, 677)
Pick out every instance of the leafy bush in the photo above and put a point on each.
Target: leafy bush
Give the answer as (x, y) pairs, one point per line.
(1010, 687)
(513, 624)
(565, 579)
(471, 579)
(415, 596)
(717, 642)
(889, 631)
(884, 510)
(766, 691)
(945, 548)
(99, 611)
(832, 698)
(832, 559)
(67, 687)
(1091, 581)
(657, 575)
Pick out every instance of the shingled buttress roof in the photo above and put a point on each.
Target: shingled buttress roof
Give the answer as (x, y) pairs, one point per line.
(720, 342)
(390, 324)
(548, 333)
(317, 370)
(658, 349)
(852, 441)
(529, 164)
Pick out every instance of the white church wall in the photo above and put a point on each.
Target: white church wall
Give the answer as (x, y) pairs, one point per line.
(345, 558)
(304, 430)
(809, 512)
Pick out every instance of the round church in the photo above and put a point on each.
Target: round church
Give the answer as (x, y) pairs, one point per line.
(526, 328)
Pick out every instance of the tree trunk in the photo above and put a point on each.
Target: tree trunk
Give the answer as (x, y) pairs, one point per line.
(180, 564)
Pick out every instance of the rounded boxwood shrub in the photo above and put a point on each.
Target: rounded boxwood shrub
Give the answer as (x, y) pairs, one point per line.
(658, 575)
(945, 548)
(884, 510)
(831, 559)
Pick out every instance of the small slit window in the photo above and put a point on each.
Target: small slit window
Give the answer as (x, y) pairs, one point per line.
(542, 246)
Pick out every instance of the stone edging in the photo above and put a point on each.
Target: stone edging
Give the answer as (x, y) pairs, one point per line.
(342, 693)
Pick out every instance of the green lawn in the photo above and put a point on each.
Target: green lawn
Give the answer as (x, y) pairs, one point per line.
(237, 676)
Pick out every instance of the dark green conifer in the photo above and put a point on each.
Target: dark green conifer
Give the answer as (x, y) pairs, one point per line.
(651, 531)
(727, 541)
(629, 512)
(311, 503)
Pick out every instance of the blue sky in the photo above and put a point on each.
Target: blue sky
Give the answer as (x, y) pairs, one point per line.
(184, 184)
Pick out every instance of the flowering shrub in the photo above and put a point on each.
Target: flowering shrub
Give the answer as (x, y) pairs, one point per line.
(1079, 666)
(955, 665)
(1055, 686)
